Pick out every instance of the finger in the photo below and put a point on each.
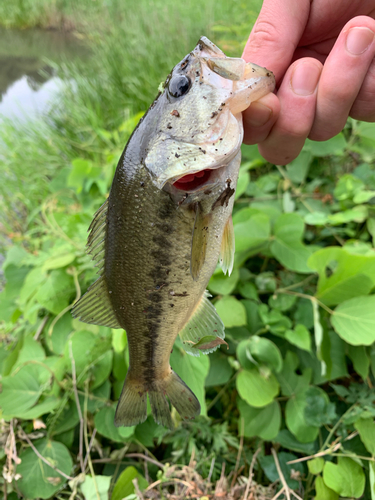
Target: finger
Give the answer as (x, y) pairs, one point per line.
(297, 95)
(276, 34)
(364, 106)
(259, 118)
(343, 74)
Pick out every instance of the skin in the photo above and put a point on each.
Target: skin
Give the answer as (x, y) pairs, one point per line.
(322, 54)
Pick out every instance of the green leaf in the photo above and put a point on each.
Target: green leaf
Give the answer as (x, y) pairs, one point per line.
(334, 146)
(253, 233)
(287, 440)
(61, 259)
(20, 392)
(46, 406)
(372, 480)
(318, 410)
(295, 418)
(96, 488)
(222, 284)
(360, 359)
(256, 389)
(299, 337)
(38, 479)
(259, 350)
(346, 478)
(56, 292)
(354, 320)
(209, 342)
(220, 370)
(290, 382)
(315, 465)
(282, 302)
(263, 422)
(347, 187)
(231, 311)
(342, 275)
(287, 246)
(298, 168)
(268, 465)
(366, 429)
(192, 370)
(323, 492)
(104, 422)
(124, 485)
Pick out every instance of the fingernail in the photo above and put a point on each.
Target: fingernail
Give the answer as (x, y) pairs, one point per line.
(359, 40)
(258, 114)
(305, 78)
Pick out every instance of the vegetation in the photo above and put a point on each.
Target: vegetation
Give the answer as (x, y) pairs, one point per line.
(290, 403)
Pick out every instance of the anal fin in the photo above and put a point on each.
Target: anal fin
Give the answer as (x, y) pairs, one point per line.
(204, 322)
(227, 247)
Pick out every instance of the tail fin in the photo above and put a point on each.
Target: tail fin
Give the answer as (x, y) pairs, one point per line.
(132, 406)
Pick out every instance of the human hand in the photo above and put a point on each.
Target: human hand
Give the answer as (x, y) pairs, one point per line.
(322, 54)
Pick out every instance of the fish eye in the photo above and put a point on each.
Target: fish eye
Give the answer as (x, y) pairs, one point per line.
(179, 85)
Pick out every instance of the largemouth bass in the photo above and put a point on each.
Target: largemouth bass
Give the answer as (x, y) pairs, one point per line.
(158, 237)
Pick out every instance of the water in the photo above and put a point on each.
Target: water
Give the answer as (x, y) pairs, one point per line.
(28, 82)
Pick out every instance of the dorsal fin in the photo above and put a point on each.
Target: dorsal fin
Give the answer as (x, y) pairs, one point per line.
(227, 248)
(204, 322)
(95, 306)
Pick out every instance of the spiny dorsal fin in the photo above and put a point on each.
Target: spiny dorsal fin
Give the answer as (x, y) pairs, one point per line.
(227, 248)
(199, 241)
(95, 306)
(204, 322)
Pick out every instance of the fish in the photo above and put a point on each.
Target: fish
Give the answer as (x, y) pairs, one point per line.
(165, 225)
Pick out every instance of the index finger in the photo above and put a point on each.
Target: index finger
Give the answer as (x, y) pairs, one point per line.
(276, 34)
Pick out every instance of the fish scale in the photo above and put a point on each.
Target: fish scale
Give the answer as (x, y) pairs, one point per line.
(157, 239)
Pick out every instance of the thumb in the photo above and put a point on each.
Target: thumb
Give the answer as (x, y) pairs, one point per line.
(276, 34)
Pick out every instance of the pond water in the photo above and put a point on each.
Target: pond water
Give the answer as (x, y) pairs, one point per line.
(27, 80)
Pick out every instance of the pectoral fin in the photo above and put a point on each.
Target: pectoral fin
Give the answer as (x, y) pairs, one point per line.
(227, 248)
(199, 241)
(204, 325)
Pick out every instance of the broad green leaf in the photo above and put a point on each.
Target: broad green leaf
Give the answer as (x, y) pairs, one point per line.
(119, 340)
(20, 391)
(124, 485)
(372, 480)
(318, 410)
(257, 351)
(342, 275)
(268, 465)
(253, 233)
(287, 440)
(287, 246)
(357, 214)
(316, 465)
(334, 146)
(263, 422)
(274, 320)
(192, 370)
(104, 422)
(220, 370)
(282, 301)
(46, 406)
(346, 478)
(295, 419)
(38, 479)
(354, 320)
(231, 311)
(298, 168)
(31, 351)
(366, 429)
(323, 492)
(57, 339)
(290, 382)
(299, 337)
(55, 293)
(360, 359)
(60, 258)
(33, 280)
(221, 284)
(256, 389)
(209, 342)
(96, 488)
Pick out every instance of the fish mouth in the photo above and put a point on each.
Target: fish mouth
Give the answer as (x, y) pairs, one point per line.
(192, 182)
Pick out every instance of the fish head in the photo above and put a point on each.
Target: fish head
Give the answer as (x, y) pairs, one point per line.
(199, 123)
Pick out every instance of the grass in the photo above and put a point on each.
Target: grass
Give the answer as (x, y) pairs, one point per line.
(133, 51)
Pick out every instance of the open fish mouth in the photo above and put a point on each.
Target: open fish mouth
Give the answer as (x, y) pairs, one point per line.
(192, 182)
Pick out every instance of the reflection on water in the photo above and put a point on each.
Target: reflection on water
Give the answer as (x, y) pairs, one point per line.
(27, 83)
